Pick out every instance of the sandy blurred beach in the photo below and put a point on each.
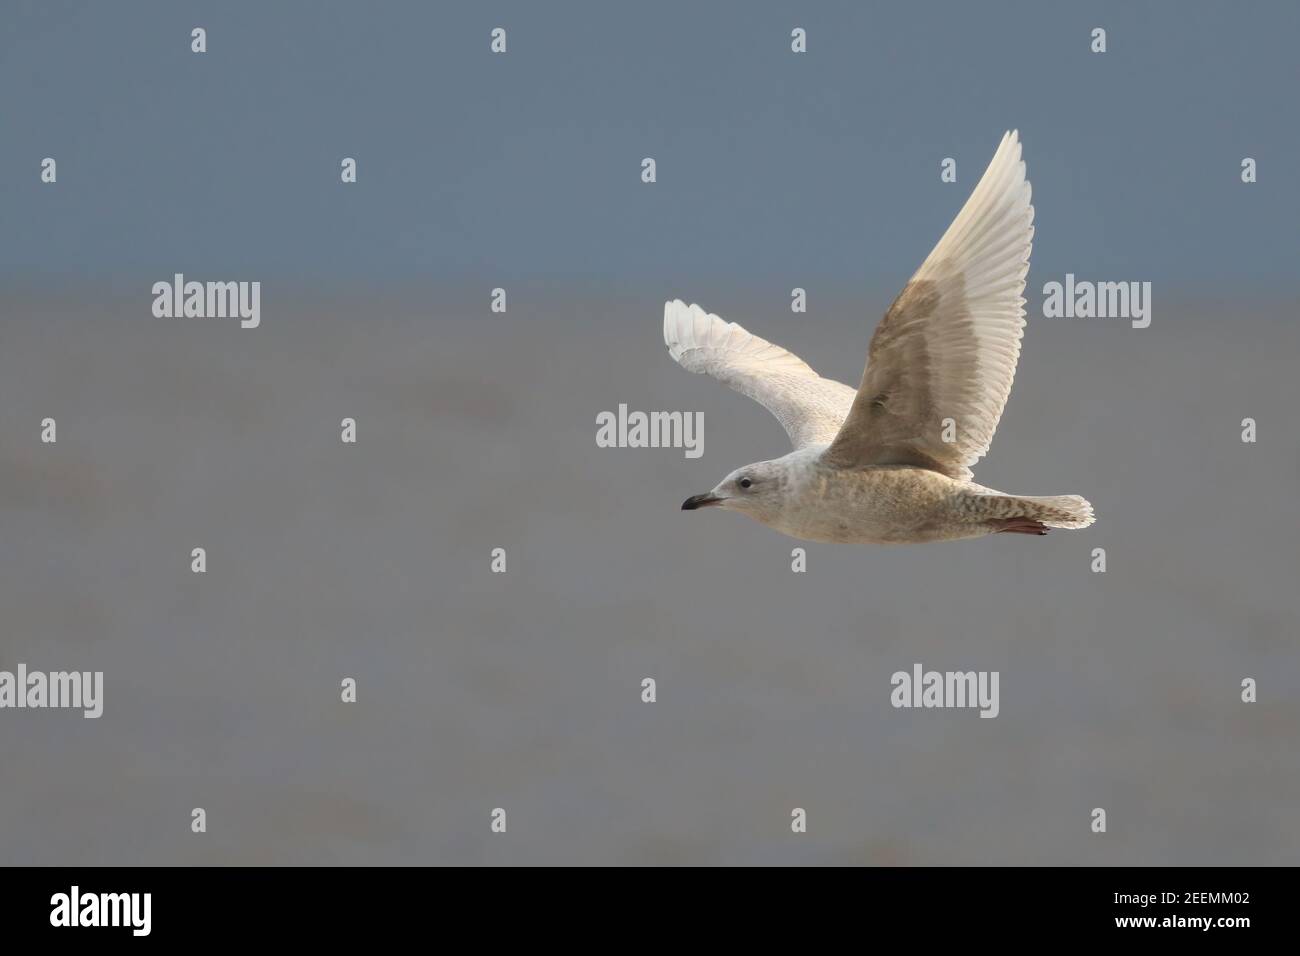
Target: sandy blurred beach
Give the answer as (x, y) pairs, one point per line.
(522, 690)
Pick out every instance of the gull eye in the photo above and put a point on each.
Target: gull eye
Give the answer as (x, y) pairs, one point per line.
(745, 482)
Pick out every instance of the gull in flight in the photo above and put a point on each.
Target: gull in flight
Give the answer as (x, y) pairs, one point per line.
(890, 461)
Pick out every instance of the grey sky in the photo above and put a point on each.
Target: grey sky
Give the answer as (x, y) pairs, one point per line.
(820, 167)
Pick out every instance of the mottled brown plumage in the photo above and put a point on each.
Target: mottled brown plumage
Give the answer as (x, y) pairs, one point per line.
(890, 462)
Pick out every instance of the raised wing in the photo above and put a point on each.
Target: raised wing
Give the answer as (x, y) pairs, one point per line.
(941, 362)
(809, 407)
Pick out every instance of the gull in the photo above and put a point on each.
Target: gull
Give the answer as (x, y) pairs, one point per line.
(889, 462)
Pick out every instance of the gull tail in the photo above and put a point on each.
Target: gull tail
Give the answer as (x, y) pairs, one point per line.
(1055, 511)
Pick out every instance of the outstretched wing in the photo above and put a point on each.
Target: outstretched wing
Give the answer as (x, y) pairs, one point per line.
(809, 407)
(947, 348)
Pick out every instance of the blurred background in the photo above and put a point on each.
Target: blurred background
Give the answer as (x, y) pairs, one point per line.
(476, 430)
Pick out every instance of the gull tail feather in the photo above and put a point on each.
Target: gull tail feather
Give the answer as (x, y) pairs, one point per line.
(1056, 511)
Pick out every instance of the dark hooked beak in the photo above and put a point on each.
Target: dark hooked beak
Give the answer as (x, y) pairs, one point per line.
(700, 501)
